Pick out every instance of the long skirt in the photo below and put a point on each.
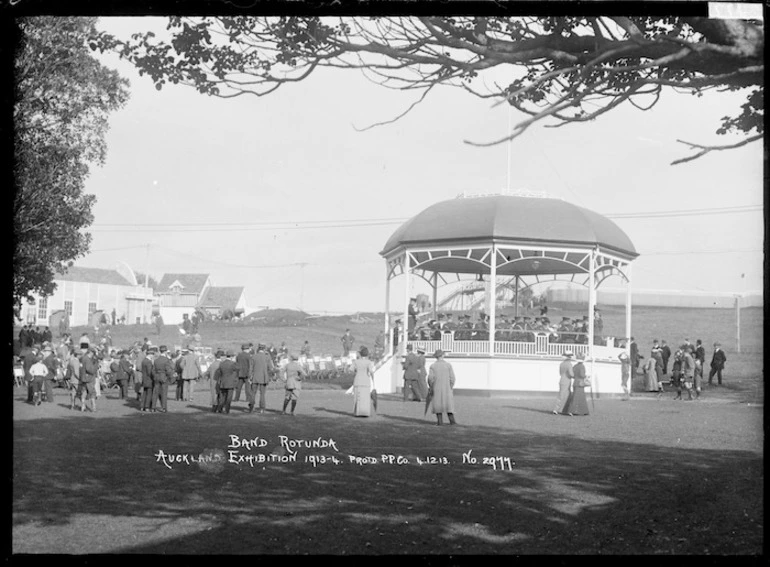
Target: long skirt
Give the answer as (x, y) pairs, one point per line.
(650, 381)
(362, 401)
(576, 403)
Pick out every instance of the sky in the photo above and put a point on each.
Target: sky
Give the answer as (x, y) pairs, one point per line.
(262, 192)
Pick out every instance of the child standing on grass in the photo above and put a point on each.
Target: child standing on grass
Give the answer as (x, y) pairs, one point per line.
(293, 375)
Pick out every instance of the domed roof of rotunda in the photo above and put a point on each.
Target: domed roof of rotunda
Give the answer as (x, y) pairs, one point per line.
(510, 219)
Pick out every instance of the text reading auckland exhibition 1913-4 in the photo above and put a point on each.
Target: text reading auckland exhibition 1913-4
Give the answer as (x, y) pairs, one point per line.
(256, 451)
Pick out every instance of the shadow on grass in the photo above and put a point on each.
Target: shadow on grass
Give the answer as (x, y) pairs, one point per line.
(563, 494)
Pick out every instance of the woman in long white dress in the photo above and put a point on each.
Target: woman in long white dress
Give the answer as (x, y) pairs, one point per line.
(363, 383)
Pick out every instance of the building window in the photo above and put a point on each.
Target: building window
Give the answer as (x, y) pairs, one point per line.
(91, 309)
(42, 308)
(68, 308)
(31, 311)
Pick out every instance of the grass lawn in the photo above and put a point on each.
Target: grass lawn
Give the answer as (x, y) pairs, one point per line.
(645, 476)
(636, 477)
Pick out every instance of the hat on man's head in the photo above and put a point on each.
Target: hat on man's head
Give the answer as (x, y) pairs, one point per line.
(420, 351)
(163, 348)
(441, 315)
(568, 353)
(245, 346)
(581, 355)
(230, 352)
(438, 353)
(565, 318)
(220, 353)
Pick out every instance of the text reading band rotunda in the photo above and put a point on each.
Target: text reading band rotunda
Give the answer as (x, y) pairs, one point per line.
(510, 242)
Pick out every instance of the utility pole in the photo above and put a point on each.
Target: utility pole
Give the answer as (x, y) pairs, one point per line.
(302, 284)
(146, 281)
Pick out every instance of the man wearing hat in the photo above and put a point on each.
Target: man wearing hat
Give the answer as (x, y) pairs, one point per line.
(412, 313)
(718, 360)
(243, 360)
(148, 379)
(227, 378)
(210, 374)
(441, 378)
(565, 378)
(191, 372)
(88, 377)
(450, 324)
(123, 373)
(293, 376)
(163, 373)
(262, 370)
(52, 364)
(411, 366)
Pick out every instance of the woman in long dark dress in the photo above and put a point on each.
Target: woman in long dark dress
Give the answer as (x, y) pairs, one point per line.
(576, 403)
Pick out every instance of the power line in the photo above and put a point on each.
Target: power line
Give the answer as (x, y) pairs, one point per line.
(687, 212)
(352, 223)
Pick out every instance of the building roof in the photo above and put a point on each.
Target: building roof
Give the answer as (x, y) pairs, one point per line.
(510, 219)
(191, 283)
(222, 297)
(92, 275)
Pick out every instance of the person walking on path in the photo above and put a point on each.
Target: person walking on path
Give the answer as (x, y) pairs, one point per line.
(565, 379)
(262, 370)
(718, 360)
(293, 376)
(441, 380)
(576, 402)
(363, 383)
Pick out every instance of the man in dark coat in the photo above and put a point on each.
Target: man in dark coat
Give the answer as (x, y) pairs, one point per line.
(412, 366)
(148, 374)
(52, 364)
(243, 360)
(163, 373)
(717, 364)
(123, 374)
(700, 352)
(227, 378)
(261, 373)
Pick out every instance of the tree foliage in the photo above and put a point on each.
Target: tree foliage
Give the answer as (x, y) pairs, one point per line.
(559, 70)
(63, 98)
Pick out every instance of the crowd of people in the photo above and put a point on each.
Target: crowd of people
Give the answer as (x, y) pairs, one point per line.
(516, 328)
